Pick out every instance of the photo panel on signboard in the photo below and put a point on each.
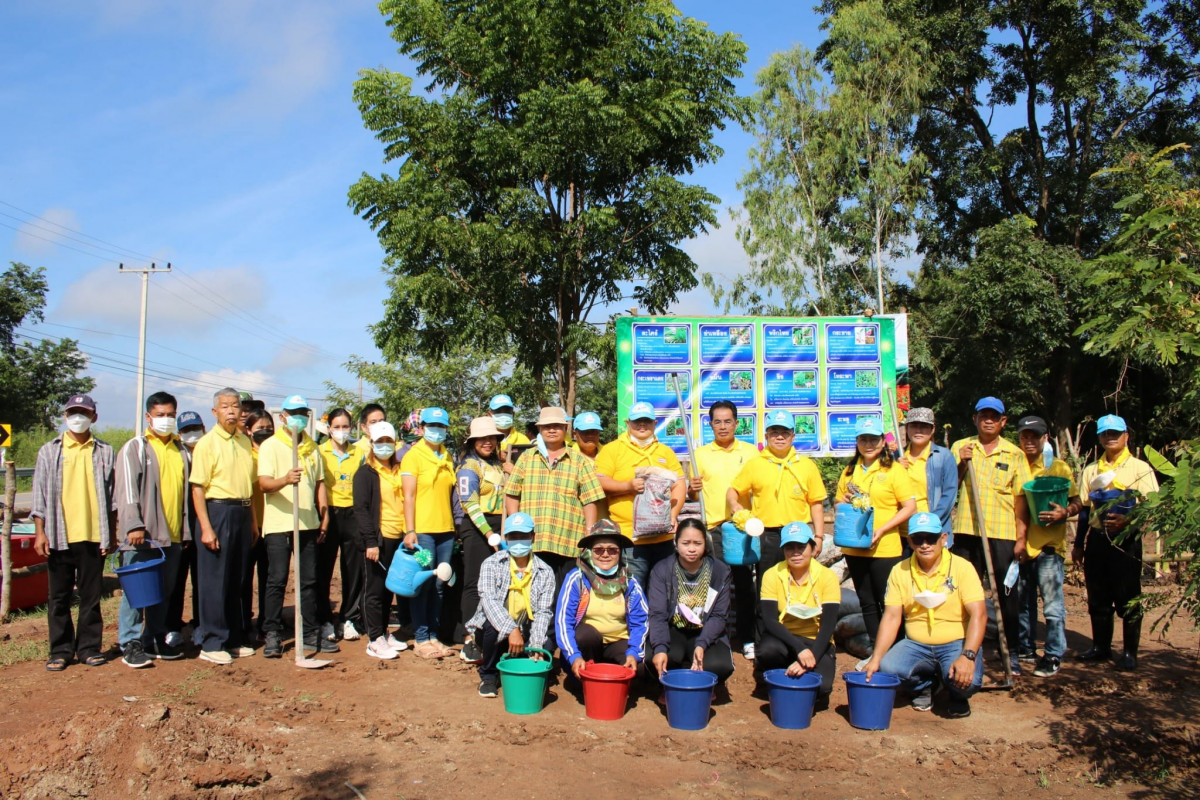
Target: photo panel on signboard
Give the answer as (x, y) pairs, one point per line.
(669, 430)
(656, 387)
(727, 344)
(662, 344)
(747, 428)
(852, 386)
(734, 385)
(840, 428)
(793, 387)
(790, 344)
(852, 343)
(807, 426)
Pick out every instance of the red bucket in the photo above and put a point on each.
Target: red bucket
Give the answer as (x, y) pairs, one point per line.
(605, 690)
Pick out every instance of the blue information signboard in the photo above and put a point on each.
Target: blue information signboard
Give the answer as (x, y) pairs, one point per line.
(727, 344)
(735, 385)
(852, 386)
(656, 388)
(788, 388)
(661, 344)
(808, 437)
(669, 431)
(841, 427)
(790, 344)
(852, 344)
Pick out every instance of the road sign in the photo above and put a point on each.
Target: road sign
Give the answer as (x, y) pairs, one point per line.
(5, 433)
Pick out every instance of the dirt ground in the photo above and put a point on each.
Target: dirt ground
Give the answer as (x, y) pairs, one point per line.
(410, 728)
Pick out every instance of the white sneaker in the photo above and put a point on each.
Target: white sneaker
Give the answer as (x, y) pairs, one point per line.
(396, 644)
(748, 651)
(241, 652)
(216, 656)
(380, 649)
(175, 638)
(349, 632)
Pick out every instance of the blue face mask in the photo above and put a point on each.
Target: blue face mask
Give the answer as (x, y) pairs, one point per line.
(519, 547)
(503, 421)
(383, 450)
(608, 573)
(297, 422)
(435, 436)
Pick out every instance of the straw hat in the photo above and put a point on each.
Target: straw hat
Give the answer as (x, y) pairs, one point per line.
(482, 427)
(552, 415)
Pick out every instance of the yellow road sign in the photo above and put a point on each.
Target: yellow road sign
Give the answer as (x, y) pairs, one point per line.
(5, 433)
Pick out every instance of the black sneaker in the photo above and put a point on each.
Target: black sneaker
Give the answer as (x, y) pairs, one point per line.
(1029, 656)
(924, 700)
(160, 649)
(328, 646)
(488, 687)
(471, 653)
(1047, 666)
(274, 646)
(959, 709)
(134, 655)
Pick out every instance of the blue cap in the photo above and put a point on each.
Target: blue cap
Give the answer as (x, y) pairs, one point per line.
(433, 414)
(295, 402)
(189, 419)
(501, 401)
(588, 421)
(924, 522)
(641, 411)
(796, 533)
(1110, 422)
(519, 522)
(992, 403)
(868, 426)
(779, 419)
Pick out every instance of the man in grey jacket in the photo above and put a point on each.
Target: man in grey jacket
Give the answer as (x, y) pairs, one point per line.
(152, 513)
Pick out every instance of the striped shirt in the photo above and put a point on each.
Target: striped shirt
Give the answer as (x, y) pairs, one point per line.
(1002, 476)
(555, 496)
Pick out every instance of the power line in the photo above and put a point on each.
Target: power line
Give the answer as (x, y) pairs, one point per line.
(72, 230)
(53, 241)
(63, 235)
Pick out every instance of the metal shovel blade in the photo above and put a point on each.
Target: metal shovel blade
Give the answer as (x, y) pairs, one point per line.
(311, 663)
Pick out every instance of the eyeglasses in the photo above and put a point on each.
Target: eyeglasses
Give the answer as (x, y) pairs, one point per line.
(606, 551)
(923, 539)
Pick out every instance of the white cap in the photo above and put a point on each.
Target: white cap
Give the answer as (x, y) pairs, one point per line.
(382, 430)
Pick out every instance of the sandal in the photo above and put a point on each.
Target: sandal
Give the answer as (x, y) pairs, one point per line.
(429, 650)
(56, 664)
(95, 661)
(446, 651)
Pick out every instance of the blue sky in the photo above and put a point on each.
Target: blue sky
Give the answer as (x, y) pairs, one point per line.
(221, 137)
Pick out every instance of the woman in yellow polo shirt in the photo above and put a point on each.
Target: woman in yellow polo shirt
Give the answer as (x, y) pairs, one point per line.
(886, 485)
(428, 474)
(799, 609)
(259, 427)
(341, 460)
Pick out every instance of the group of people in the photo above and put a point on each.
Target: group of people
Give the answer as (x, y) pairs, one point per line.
(569, 545)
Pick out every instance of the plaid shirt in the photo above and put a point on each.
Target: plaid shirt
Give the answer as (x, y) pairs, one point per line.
(1002, 477)
(494, 579)
(555, 496)
(48, 487)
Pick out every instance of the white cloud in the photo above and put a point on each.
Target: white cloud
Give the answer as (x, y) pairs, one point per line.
(39, 237)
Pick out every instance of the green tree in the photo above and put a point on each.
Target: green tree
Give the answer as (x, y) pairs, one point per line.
(539, 171)
(34, 380)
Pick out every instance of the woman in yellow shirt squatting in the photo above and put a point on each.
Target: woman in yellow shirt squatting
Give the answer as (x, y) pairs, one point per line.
(872, 479)
(939, 598)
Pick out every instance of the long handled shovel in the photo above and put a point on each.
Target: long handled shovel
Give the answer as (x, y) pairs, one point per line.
(301, 661)
(977, 515)
(693, 467)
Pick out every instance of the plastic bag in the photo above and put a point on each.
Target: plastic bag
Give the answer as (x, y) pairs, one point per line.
(652, 508)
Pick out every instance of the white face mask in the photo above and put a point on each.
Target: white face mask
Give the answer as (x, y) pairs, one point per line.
(930, 599)
(163, 425)
(341, 436)
(191, 437)
(641, 441)
(801, 611)
(79, 423)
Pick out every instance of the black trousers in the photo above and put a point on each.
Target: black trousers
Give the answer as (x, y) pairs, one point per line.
(717, 658)
(79, 567)
(279, 559)
(219, 576)
(870, 576)
(493, 647)
(745, 598)
(377, 600)
(773, 653)
(187, 566)
(341, 548)
(592, 646)
(772, 554)
(1113, 575)
(255, 565)
(971, 548)
(475, 550)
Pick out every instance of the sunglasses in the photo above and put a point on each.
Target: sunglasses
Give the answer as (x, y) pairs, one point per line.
(923, 539)
(606, 551)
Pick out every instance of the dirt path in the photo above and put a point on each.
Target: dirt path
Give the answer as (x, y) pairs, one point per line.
(417, 729)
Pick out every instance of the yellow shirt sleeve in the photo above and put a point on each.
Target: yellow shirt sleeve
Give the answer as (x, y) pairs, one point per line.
(1145, 482)
(815, 487)
(896, 586)
(901, 484)
(969, 586)
(773, 588)
(743, 481)
(202, 463)
(606, 460)
(672, 461)
(828, 588)
(843, 484)
(410, 464)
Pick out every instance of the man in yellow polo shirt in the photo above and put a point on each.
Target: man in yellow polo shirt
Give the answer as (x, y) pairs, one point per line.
(939, 598)
(617, 466)
(152, 489)
(74, 516)
(717, 464)
(222, 479)
(1003, 471)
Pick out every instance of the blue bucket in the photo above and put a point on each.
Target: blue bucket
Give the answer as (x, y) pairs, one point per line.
(142, 582)
(792, 699)
(689, 697)
(851, 527)
(740, 548)
(871, 703)
(1107, 496)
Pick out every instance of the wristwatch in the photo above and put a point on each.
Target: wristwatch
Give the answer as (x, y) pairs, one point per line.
(969, 655)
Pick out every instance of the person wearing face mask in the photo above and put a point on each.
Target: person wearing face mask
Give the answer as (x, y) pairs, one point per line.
(601, 612)
(502, 411)
(587, 428)
(478, 502)
(688, 600)
(276, 478)
(887, 487)
(939, 599)
(74, 518)
(931, 467)
(191, 429)
(340, 461)
(428, 475)
(1112, 565)
(153, 515)
(799, 609)
(516, 602)
(1002, 471)
(617, 467)
(370, 414)
(259, 427)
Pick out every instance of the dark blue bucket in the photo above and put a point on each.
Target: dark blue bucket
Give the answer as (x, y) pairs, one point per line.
(871, 703)
(792, 699)
(740, 548)
(689, 697)
(1107, 496)
(142, 582)
(851, 527)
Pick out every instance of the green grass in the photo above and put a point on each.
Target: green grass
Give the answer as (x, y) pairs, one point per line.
(1043, 781)
(26, 648)
(184, 689)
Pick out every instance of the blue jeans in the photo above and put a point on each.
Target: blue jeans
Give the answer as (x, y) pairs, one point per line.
(1044, 574)
(148, 624)
(919, 665)
(641, 558)
(426, 607)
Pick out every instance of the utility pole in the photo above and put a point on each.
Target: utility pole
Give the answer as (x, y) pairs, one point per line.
(145, 272)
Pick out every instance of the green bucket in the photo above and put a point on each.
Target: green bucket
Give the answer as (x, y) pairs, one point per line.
(1041, 492)
(523, 681)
